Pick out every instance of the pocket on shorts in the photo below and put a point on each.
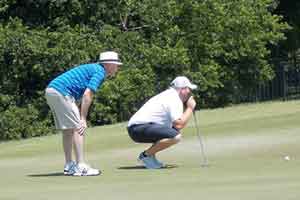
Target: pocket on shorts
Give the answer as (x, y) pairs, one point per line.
(69, 99)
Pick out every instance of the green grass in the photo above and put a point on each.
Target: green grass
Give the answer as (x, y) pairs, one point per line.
(245, 145)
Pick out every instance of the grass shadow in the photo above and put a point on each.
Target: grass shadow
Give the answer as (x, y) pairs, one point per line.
(132, 167)
(138, 167)
(47, 174)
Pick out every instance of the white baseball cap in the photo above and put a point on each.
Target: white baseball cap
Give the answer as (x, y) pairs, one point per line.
(182, 82)
(109, 57)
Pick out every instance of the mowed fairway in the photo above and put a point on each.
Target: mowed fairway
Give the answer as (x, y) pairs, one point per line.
(245, 146)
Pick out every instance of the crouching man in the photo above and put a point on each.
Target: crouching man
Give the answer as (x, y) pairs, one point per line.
(160, 120)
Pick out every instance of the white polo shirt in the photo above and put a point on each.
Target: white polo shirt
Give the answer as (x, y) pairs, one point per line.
(164, 109)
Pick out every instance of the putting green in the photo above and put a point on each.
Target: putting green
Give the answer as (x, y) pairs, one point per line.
(245, 146)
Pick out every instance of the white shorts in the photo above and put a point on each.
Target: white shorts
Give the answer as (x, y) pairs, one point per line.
(65, 111)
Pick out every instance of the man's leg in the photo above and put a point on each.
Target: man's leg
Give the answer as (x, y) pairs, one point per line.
(162, 144)
(160, 136)
(81, 169)
(149, 133)
(67, 144)
(78, 146)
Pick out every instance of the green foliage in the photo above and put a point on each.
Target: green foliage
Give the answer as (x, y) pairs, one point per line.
(233, 37)
(20, 123)
(30, 58)
(117, 100)
(223, 46)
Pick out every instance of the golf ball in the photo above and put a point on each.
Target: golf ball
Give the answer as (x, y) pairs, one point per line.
(286, 158)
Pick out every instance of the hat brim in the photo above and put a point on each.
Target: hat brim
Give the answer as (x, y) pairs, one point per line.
(192, 86)
(112, 62)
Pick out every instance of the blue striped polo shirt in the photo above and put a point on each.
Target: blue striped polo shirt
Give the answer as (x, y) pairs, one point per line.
(75, 81)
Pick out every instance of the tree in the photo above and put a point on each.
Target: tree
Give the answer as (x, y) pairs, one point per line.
(228, 43)
(223, 46)
(289, 50)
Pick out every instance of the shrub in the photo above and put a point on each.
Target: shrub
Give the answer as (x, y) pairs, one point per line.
(19, 123)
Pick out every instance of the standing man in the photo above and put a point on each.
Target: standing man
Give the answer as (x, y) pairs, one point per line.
(78, 85)
(160, 119)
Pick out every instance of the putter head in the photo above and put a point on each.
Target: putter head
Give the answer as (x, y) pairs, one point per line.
(204, 165)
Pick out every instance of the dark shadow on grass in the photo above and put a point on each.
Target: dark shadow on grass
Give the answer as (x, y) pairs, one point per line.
(47, 174)
(138, 167)
(132, 167)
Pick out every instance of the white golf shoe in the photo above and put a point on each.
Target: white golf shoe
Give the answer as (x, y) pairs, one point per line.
(83, 169)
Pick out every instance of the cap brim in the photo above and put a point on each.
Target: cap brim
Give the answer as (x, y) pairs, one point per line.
(112, 62)
(193, 87)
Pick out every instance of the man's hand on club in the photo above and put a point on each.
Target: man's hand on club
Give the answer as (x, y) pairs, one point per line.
(82, 128)
(191, 103)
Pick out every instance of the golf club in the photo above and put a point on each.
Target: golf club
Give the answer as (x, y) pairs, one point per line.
(204, 162)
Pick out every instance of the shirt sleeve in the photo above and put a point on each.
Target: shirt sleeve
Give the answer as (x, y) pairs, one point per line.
(175, 110)
(95, 81)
